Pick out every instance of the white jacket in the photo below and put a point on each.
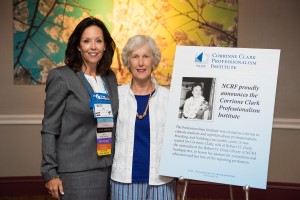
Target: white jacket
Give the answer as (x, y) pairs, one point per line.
(122, 163)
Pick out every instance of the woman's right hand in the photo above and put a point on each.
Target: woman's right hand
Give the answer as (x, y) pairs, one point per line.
(54, 187)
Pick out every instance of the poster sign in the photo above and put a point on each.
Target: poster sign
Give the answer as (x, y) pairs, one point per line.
(220, 114)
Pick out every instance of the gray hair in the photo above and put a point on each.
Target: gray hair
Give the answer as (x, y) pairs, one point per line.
(137, 41)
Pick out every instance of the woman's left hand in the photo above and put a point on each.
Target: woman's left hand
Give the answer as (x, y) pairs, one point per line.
(55, 187)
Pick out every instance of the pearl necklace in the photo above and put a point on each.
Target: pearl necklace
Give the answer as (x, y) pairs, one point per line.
(140, 117)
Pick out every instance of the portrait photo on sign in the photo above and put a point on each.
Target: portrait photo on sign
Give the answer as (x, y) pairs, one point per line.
(196, 99)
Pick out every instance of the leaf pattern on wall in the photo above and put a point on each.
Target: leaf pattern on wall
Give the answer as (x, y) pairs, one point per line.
(42, 29)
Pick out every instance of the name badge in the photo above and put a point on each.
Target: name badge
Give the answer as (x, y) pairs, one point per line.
(101, 105)
(102, 110)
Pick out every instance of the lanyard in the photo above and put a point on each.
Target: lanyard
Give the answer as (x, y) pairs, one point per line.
(101, 105)
(97, 97)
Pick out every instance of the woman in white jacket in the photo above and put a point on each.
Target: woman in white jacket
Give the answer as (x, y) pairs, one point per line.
(140, 128)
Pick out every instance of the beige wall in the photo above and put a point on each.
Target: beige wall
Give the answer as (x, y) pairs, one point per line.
(262, 24)
(275, 24)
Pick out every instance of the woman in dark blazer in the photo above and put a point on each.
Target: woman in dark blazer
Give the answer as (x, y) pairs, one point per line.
(77, 145)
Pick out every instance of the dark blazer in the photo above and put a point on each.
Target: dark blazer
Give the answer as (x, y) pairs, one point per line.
(69, 127)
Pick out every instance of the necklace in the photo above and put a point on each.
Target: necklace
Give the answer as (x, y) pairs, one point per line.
(146, 109)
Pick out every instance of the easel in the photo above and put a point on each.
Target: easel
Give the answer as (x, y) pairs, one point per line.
(246, 188)
(181, 179)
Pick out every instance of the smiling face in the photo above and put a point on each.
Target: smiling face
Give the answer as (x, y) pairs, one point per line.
(197, 91)
(140, 62)
(92, 46)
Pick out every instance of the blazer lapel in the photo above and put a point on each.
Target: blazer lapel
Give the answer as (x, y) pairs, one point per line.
(84, 81)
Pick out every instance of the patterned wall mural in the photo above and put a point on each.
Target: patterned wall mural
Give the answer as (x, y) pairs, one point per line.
(42, 28)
